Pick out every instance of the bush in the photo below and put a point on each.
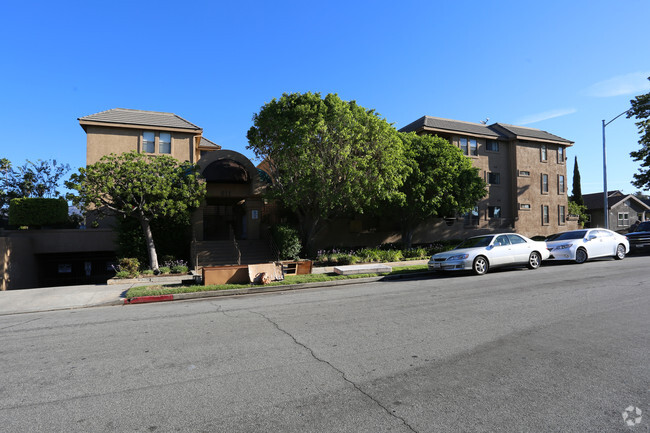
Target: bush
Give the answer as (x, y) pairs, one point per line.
(147, 272)
(165, 270)
(287, 241)
(38, 211)
(129, 265)
(122, 274)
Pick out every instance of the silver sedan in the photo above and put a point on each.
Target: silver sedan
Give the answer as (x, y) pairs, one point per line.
(480, 253)
(581, 245)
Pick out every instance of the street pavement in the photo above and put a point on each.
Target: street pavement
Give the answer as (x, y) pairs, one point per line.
(562, 348)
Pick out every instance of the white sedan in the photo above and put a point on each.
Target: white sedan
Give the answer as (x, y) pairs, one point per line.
(480, 253)
(581, 245)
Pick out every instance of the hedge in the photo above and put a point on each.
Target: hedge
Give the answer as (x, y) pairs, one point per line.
(37, 211)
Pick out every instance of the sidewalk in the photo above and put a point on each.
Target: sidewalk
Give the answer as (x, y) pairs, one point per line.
(93, 295)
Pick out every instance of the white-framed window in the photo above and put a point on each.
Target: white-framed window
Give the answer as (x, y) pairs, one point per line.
(148, 142)
(494, 211)
(623, 219)
(494, 178)
(560, 184)
(543, 152)
(560, 155)
(544, 183)
(545, 219)
(468, 146)
(524, 173)
(473, 147)
(561, 215)
(524, 206)
(492, 145)
(165, 142)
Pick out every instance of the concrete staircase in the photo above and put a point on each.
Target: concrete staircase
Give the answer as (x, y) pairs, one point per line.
(216, 253)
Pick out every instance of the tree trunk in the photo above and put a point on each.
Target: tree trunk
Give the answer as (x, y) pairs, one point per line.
(308, 226)
(407, 233)
(151, 247)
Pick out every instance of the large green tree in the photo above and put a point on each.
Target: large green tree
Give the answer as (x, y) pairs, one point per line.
(40, 179)
(576, 193)
(641, 110)
(440, 182)
(327, 157)
(140, 186)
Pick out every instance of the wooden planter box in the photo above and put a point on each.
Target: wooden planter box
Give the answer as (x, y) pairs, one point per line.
(297, 268)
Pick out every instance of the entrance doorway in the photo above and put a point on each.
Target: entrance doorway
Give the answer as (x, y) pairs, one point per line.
(221, 216)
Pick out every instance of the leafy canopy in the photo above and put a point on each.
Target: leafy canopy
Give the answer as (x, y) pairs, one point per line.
(40, 179)
(143, 186)
(641, 110)
(327, 156)
(440, 182)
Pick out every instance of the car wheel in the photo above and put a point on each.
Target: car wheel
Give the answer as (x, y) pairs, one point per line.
(620, 252)
(581, 255)
(535, 260)
(481, 265)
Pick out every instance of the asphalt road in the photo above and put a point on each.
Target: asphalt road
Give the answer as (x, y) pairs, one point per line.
(563, 348)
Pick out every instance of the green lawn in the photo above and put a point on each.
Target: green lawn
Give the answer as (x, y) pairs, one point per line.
(134, 292)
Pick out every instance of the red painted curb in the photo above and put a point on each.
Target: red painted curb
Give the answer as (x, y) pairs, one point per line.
(145, 299)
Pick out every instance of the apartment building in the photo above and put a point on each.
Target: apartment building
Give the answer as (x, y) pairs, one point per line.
(525, 169)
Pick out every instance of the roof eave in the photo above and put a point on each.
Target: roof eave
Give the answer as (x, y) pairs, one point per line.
(85, 123)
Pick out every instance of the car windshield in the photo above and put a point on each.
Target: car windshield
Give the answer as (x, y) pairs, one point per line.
(576, 234)
(479, 241)
(643, 227)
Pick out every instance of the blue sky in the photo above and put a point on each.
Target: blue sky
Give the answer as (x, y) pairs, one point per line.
(555, 65)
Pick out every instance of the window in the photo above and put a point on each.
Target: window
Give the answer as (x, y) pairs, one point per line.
(501, 240)
(543, 152)
(524, 173)
(560, 184)
(473, 147)
(471, 217)
(463, 145)
(494, 178)
(560, 155)
(561, 215)
(544, 183)
(545, 219)
(492, 146)
(524, 206)
(516, 239)
(148, 142)
(494, 211)
(165, 142)
(623, 219)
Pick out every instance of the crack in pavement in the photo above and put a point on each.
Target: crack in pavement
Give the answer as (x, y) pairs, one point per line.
(21, 323)
(341, 372)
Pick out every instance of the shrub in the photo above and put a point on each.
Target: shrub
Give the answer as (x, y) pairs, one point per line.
(147, 272)
(128, 265)
(122, 274)
(164, 270)
(287, 241)
(38, 211)
(177, 266)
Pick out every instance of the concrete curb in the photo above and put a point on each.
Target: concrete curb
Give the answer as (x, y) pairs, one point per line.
(267, 289)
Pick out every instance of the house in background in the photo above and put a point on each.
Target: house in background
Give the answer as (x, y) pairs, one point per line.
(525, 169)
(624, 210)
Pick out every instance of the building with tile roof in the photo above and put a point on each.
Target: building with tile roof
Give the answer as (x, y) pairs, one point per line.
(525, 169)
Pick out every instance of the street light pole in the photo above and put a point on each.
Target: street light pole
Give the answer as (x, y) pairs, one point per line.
(605, 201)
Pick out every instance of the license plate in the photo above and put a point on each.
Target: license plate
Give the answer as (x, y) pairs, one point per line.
(436, 265)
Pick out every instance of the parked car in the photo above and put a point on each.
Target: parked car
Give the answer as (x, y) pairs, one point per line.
(640, 238)
(480, 253)
(581, 245)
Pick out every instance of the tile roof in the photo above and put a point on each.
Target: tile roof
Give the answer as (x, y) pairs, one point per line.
(140, 117)
(207, 143)
(496, 130)
(451, 126)
(522, 131)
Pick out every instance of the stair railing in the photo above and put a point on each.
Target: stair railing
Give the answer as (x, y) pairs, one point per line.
(235, 244)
